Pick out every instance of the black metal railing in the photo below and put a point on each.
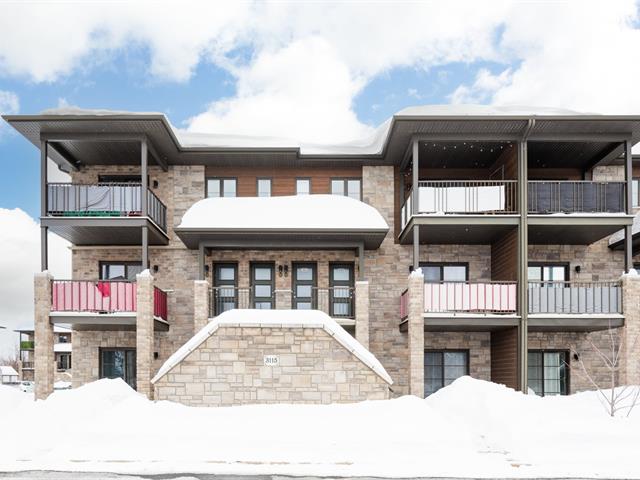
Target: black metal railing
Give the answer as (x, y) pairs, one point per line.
(103, 200)
(575, 297)
(576, 197)
(337, 302)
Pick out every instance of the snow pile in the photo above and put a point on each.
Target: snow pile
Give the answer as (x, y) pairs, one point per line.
(276, 319)
(469, 429)
(317, 212)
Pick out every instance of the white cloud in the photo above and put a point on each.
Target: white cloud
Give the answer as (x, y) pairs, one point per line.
(485, 85)
(20, 259)
(9, 102)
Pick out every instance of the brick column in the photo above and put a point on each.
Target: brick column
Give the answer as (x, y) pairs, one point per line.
(43, 336)
(416, 334)
(362, 312)
(144, 333)
(283, 299)
(630, 365)
(200, 304)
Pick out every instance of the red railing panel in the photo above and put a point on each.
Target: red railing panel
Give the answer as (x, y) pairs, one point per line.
(159, 303)
(102, 296)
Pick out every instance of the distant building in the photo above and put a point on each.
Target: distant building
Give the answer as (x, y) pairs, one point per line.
(8, 375)
(61, 348)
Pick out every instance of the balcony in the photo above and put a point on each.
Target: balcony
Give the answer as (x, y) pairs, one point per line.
(27, 345)
(88, 304)
(575, 305)
(80, 213)
(337, 302)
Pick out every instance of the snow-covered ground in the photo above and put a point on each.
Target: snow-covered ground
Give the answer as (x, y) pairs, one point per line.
(469, 429)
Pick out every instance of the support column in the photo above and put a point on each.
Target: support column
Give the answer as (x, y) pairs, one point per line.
(628, 232)
(200, 262)
(144, 192)
(630, 365)
(200, 304)
(44, 243)
(523, 261)
(416, 334)
(43, 336)
(362, 312)
(144, 333)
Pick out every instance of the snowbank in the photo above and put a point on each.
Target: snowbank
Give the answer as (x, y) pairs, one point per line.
(469, 429)
(305, 212)
(275, 319)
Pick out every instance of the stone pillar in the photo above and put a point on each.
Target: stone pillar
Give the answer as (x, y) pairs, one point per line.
(630, 365)
(43, 336)
(362, 312)
(416, 333)
(283, 299)
(144, 333)
(200, 304)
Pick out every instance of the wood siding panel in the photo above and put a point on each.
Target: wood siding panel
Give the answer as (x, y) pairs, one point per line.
(508, 162)
(504, 257)
(504, 357)
(283, 179)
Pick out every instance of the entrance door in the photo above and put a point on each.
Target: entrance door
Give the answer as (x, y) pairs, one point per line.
(118, 363)
(304, 283)
(263, 285)
(341, 283)
(225, 294)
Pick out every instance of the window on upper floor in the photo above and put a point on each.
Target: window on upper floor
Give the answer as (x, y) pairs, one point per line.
(444, 272)
(221, 187)
(303, 186)
(119, 270)
(548, 272)
(635, 191)
(349, 187)
(264, 187)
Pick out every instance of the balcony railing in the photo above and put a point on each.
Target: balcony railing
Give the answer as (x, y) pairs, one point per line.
(470, 297)
(103, 200)
(102, 296)
(575, 297)
(27, 365)
(576, 197)
(404, 305)
(338, 302)
(160, 303)
(27, 345)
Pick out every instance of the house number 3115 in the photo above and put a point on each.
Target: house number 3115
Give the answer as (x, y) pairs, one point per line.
(271, 360)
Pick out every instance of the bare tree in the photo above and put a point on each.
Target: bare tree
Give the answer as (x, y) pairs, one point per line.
(615, 397)
(11, 359)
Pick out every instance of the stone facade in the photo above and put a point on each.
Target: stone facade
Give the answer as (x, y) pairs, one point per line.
(86, 351)
(44, 337)
(478, 344)
(144, 333)
(229, 369)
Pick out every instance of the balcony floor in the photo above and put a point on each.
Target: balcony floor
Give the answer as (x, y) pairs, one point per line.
(578, 322)
(458, 229)
(102, 321)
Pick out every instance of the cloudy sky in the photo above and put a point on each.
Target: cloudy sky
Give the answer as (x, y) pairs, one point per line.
(318, 72)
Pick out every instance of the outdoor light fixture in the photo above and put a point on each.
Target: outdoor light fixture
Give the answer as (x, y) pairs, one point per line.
(155, 184)
(280, 269)
(206, 270)
(286, 270)
(156, 268)
(578, 268)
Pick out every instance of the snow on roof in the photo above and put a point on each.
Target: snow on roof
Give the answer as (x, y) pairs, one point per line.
(619, 235)
(56, 329)
(276, 319)
(6, 370)
(370, 145)
(304, 212)
(62, 348)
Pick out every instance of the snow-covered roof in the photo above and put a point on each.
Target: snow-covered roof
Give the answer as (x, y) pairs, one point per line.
(304, 212)
(276, 319)
(6, 370)
(62, 348)
(56, 329)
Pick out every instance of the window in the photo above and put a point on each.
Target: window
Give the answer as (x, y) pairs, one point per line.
(119, 270)
(349, 187)
(445, 272)
(548, 372)
(221, 187)
(303, 186)
(225, 278)
(118, 363)
(341, 283)
(63, 362)
(442, 367)
(262, 288)
(304, 282)
(635, 191)
(548, 273)
(264, 187)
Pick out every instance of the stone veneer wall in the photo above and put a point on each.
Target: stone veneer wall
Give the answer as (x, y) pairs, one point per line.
(228, 369)
(86, 345)
(477, 343)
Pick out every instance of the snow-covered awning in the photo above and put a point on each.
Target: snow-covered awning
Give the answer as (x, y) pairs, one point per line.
(312, 221)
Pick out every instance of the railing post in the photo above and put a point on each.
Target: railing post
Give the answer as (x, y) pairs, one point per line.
(43, 336)
(362, 312)
(416, 333)
(200, 304)
(144, 333)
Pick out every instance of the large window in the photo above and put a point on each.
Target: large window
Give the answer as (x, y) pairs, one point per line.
(119, 270)
(118, 363)
(263, 285)
(225, 278)
(304, 282)
(264, 187)
(548, 272)
(445, 272)
(442, 367)
(221, 187)
(341, 283)
(303, 186)
(349, 187)
(548, 372)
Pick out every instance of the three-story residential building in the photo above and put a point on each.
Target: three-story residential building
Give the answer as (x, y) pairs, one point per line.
(456, 241)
